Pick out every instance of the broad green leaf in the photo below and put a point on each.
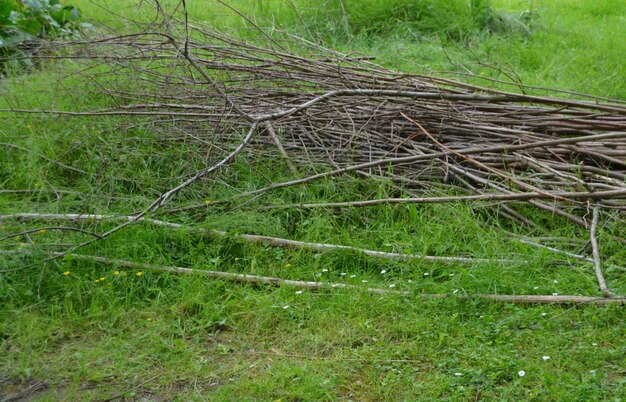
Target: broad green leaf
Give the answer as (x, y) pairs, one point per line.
(65, 14)
(6, 6)
(31, 26)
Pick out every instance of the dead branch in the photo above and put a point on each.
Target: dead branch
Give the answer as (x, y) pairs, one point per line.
(257, 280)
(258, 239)
(596, 254)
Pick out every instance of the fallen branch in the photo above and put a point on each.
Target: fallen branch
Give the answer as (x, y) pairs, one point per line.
(257, 279)
(596, 254)
(263, 240)
(462, 198)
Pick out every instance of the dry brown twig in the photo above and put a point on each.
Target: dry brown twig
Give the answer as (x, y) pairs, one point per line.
(596, 254)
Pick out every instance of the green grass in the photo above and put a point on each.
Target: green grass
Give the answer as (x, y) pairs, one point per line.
(179, 337)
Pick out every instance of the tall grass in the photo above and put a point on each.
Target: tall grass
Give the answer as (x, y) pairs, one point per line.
(340, 20)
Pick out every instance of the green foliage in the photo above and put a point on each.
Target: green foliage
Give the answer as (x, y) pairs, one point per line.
(23, 21)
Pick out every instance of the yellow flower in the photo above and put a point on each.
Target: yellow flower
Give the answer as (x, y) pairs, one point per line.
(237, 258)
(149, 319)
(102, 278)
(287, 265)
(97, 280)
(66, 273)
(139, 273)
(116, 273)
(29, 126)
(43, 231)
(207, 201)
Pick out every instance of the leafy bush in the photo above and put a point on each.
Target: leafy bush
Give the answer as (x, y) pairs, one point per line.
(24, 21)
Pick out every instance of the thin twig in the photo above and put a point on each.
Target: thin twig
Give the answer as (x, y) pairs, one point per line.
(596, 254)
(280, 147)
(578, 196)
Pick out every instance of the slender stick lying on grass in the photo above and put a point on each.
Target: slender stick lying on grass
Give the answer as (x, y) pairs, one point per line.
(258, 239)
(467, 198)
(257, 279)
(596, 254)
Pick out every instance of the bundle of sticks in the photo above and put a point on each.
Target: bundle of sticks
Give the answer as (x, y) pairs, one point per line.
(439, 140)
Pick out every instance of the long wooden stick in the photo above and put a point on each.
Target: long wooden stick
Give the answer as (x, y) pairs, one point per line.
(531, 195)
(258, 239)
(596, 254)
(257, 279)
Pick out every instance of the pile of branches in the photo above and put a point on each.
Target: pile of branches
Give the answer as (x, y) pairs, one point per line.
(430, 135)
(437, 139)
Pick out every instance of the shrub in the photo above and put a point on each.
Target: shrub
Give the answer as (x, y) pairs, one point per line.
(23, 22)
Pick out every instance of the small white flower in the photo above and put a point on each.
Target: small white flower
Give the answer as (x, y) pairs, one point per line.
(482, 316)
(521, 373)
(364, 281)
(555, 281)
(334, 285)
(426, 274)
(555, 294)
(410, 281)
(324, 270)
(392, 286)
(451, 274)
(544, 314)
(545, 358)
(458, 374)
(299, 292)
(286, 307)
(343, 274)
(536, 287)
(593, 372)
(594, 344)
(455, 291)
(383, 272)
(352, 276)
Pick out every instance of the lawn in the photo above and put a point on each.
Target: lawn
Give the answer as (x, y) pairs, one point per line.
(72, 329)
